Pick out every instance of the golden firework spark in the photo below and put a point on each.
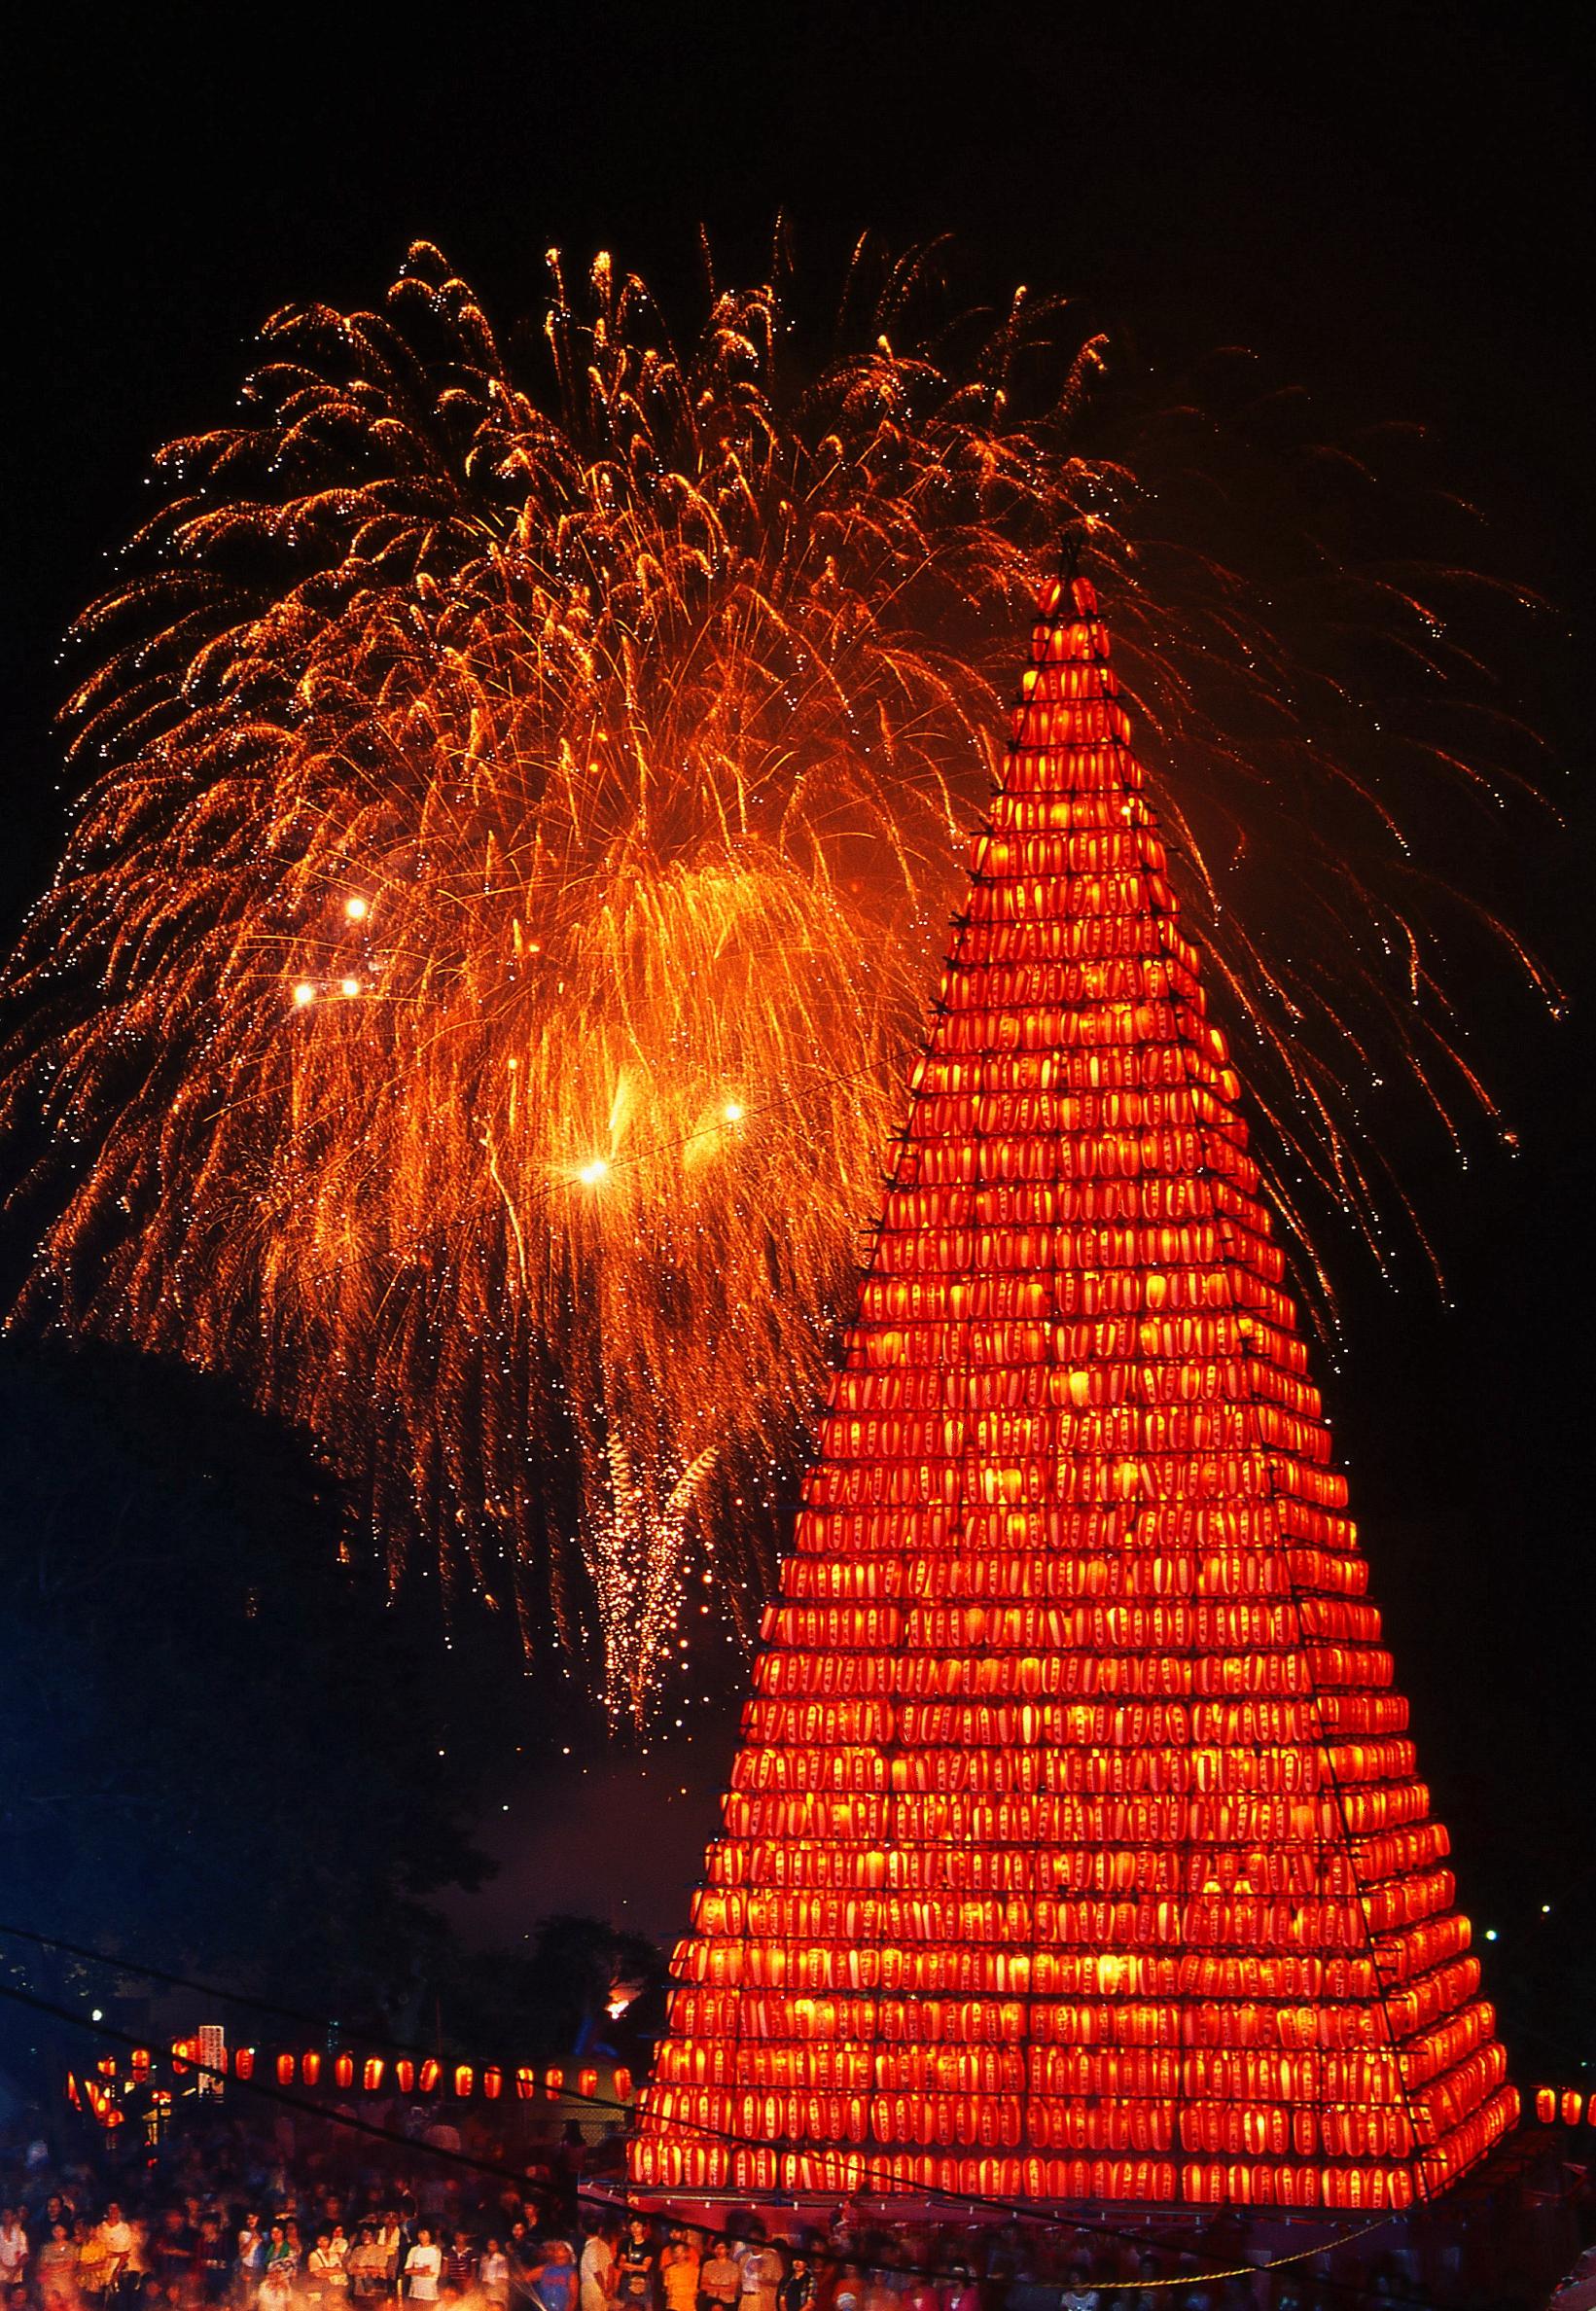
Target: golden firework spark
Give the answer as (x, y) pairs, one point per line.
(471, 1002)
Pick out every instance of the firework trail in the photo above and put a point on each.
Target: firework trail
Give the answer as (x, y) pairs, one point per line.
(524, 796)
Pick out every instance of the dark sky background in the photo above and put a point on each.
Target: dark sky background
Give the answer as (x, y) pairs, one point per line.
(1392, 205)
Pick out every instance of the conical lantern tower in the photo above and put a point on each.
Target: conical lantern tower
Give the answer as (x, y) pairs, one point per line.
(1074, 1848)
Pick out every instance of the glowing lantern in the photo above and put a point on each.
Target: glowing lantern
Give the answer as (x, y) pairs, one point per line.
(623, 2084)
(343, 2071)
(587, 2084)
(285, 2070)
(493, 2082)
(464, 2078)
(180, 2049)
(371, 2073)
(138, 2062)
(1545, 2105)
(526, 2083)
(1573, 2104)
(554, 2080)
(243, 2063)
(431, 2072)
(1076, 1847)
(405, 2073)
(311, 2068)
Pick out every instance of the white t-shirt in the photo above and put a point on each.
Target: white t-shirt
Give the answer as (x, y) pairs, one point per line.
(422, 2265)
(597, 2263)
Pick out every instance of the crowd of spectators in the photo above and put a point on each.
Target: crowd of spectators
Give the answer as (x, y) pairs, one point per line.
(315, 2221)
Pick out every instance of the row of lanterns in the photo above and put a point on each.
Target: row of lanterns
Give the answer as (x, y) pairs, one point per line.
(1147, 2181)
(1122, 1868)
(1141, 2002)
(376, 2074)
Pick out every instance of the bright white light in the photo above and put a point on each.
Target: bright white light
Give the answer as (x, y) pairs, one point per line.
(96, 2015)
(590, 1174)
(350, 986)
(357, 908)
(732, 1112)
(304, 993)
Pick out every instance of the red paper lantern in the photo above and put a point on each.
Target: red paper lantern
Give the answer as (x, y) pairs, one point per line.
(464, 2078)
(554, 2080)
(243, 2062)
(311, 2068)
(371, 2073)
(343, 2071)
(526, 2085)
(431, 2072)
(285, 2070)
(622, 2083)
(405, 2073)
(1573, 2104)
(139, 2062)
(492, 2082)
(1075, 1846)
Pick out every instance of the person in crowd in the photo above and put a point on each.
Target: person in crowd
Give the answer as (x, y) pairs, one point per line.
(390, 2239)
(493, 2276)
(679, 2263)
(117, 2251)
(170, 2254)
(553, 2279)
(282, 2257)
(459, 2271)
(211, 2263)
(798, 2289)
(762, 2272)
(596, 2269)
(423, 2267)
(56, 2274)
(848, 2294)
(321, 2265)
(249, 2252)
(13, 2254)
(523, 2254)
(636, 2262)
(366, 2267)
(719, 2277)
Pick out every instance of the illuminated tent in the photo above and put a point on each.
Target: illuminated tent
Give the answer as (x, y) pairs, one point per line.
(1075, 1846)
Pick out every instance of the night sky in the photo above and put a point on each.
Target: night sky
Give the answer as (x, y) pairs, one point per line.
(1389, 205)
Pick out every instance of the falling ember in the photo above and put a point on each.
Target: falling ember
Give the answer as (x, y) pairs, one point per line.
(612, 735)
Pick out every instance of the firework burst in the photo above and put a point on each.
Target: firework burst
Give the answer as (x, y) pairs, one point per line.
(523, 810)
